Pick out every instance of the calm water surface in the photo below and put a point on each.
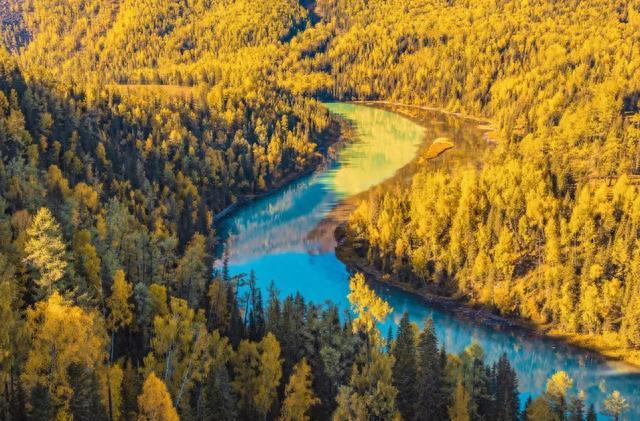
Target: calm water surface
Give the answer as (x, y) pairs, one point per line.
(272, 237)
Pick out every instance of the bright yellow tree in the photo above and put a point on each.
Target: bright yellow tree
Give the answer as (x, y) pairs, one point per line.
(120, 310)
(45, 250)
(63, 334)
(299, 396)
(368, 307)
(154, 404)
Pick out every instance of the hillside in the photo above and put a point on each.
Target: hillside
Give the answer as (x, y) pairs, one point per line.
(127, 125)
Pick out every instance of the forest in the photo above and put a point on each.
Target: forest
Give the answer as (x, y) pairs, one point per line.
(127, 126)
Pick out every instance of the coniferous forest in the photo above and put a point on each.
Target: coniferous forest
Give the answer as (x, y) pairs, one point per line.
(128, 127)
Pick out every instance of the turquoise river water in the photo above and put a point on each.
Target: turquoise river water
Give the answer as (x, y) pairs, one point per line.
(273, 236)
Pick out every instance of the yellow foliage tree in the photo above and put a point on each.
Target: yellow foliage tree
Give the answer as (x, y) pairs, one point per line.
(63, 334)
(120, 310)
(368, 307)
(45, 250)
(299, 396)
(154, 404)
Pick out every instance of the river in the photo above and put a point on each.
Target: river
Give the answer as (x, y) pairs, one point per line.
(276, 237)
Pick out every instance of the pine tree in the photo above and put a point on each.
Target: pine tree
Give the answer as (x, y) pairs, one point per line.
(218, 401)
(431, 403)
(591, 414)
(256, 315)
(507, 396)
(274, 316)
(235, 330)
(299, 395)
(576, 408)
(85, 403)
(405, 368)
(132, 383)
(41, 408)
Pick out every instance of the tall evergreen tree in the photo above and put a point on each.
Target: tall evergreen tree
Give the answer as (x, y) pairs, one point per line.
(40, 407)
(405, 368)
(217, 399)
(85, 403)
(507, 397)
(257, 325)
(274, 312)
(431, 402)
(576, 408)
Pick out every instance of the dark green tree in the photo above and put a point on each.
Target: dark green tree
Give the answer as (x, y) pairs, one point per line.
(405, 368)
(507, 397)
(217, 398)
(431, 401)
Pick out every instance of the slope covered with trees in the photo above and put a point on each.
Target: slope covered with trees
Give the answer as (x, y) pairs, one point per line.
(547, 230)
(108, 195)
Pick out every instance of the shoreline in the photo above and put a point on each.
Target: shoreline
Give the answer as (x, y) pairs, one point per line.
(462, 309)
(332, 142)
(486, 125)
(605, 348)
(457, 305)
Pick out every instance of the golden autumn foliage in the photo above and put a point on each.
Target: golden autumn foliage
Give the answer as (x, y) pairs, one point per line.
(120, 310)
(45, 250)
(299, 395)
(155, 402)
(368, 307)
(76, 337)
(128, 127)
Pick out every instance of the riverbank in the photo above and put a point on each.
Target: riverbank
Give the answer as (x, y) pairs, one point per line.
(339, 133)
(489, 128)
(608, 347)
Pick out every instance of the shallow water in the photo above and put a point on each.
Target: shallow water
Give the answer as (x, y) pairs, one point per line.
(271, 237)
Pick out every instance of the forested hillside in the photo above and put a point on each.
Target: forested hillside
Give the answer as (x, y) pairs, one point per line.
(548, 229)
(127, 125)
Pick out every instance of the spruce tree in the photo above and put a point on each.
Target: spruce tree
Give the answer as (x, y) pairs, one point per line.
(431, 399)
(576, 408)
(256, 314)
(274, 316)
(85, 403)
(405, 369)
(507, 396)
(218, 398)
(40, 408)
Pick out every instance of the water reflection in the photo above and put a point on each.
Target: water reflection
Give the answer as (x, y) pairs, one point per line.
(271, 237)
